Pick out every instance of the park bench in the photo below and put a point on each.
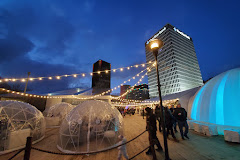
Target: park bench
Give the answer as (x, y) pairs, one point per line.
(209, 129)
(197, 127)
(232, 135)
(190, 124)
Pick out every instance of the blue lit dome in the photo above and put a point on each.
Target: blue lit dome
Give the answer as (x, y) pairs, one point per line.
(218, 100)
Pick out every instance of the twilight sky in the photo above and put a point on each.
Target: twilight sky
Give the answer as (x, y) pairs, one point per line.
(52, 37)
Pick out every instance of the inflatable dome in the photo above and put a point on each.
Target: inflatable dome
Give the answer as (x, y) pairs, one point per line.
(55, 114)
(91, 126)
(18, 120)
(218, 100)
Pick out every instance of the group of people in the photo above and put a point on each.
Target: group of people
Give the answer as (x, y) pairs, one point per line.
(173, 117)
(129, 111)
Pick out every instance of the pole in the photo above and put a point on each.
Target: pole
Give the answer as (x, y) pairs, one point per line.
(155, 53)
(28, 148)
(27, 83)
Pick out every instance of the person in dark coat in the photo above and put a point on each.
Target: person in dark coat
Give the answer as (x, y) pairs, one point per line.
(151, 120)
(158, 117)
(181, 115)
(174, 120)
(169, 122)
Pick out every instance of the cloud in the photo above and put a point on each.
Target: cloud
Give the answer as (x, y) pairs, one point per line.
(18, 68)
(14, 46)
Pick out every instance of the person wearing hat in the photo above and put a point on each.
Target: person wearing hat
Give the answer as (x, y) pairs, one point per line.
(151, 120)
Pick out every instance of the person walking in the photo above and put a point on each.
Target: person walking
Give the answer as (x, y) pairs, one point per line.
(174, 119)
(122, 149)
(152, 128)
(158, 117)
(169, 123)
(181, 115)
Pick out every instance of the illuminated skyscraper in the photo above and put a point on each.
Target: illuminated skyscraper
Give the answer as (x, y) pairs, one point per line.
(177, 60)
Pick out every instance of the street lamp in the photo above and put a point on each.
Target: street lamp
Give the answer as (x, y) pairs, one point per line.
(155, 45)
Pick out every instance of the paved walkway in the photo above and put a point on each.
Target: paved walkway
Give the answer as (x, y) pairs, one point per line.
(199, 147)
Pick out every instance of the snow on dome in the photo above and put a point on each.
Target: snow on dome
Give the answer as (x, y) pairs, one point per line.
(55, 114)
(91, 126)
(218, 100)
(18, 120)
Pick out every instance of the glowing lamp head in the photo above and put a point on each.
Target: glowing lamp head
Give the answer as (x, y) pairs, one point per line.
(156, 44)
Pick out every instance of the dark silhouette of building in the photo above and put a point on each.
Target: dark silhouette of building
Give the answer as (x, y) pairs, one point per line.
(101, 78)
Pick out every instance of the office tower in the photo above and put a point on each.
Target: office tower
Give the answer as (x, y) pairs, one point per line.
(101, 78)
(139, 92)
(124, 89)
(177, 61)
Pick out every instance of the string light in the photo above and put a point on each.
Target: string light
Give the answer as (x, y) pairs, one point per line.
(73, 95)
(103, 93)
(73, 75)
(132, 87)
(23, 80)
(98, 72)
(58, 77)
(31, 95)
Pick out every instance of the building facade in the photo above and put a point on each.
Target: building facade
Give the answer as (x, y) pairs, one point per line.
(101, 80)
(178, 65)
(124, 89)
(139, 92)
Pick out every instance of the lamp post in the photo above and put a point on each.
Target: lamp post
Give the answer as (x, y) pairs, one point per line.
(27, 83)
(155, 45)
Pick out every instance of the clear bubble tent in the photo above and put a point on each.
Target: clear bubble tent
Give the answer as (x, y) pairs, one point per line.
(58, 111)
(91, 126)
(18, 120)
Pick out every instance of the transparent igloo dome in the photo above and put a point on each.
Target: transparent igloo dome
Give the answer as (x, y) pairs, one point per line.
(56, 113)
(91, 126)
(18, 120)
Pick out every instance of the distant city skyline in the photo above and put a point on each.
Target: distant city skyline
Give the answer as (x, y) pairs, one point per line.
(49, 38)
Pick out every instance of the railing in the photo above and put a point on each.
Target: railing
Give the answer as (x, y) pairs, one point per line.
(29, 147)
